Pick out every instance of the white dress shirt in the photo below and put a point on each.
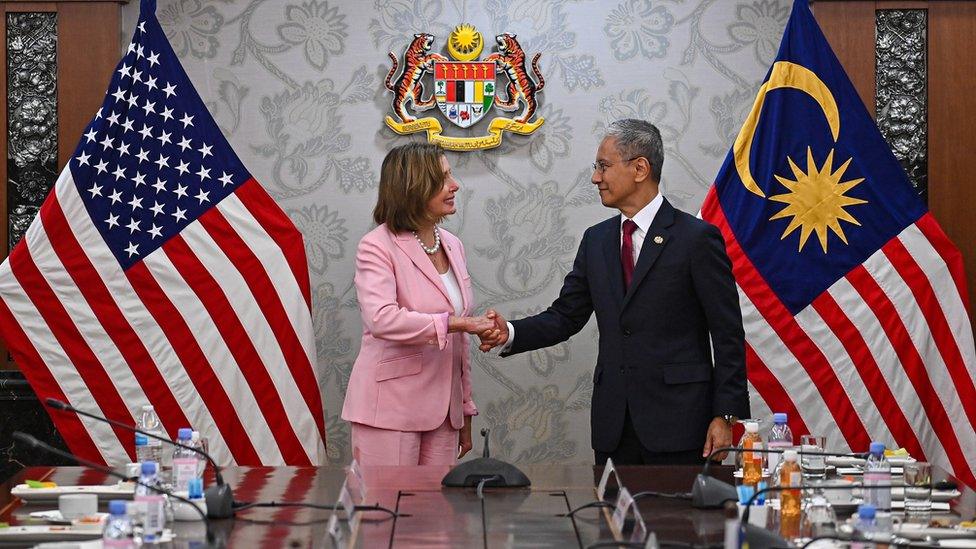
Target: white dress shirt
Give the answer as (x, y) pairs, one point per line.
(643, 219)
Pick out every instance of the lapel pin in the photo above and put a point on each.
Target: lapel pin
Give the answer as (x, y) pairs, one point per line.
(659, 240)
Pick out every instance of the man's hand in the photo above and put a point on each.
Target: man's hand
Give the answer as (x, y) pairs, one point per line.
(719, 435)
(464, 438)
(498, 335)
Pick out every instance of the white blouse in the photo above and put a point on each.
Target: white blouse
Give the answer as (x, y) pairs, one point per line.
(453, 291)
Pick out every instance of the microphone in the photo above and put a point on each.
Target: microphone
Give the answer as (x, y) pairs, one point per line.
(32, 442)
(219, 497)
(485, 471)
(708, 492)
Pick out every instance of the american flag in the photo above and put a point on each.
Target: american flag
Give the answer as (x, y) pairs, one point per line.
(158, 271)
(854, 301)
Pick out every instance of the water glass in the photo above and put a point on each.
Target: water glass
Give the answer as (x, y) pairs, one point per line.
(918, 488)
(819, 518)
(813, 466)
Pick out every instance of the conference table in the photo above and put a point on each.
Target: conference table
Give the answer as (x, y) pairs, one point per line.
(432, 516)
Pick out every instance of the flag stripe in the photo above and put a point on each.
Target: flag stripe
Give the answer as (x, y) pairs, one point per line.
(66, 333)
(214, 300)
(255, 325)
(925, 298)
(809, 356)
(867, 368)
(895, 375)
(45, 385)
(939, 274)
(948, 252)
(138, 316)
(914, 366)
(279, 226)
(53, 359)
(197, 365)
(110, 320)
(795, 381)
(883, 272)
(272, 258)
(772, 392)
(215, 348)
(263, 290)
(840, 362)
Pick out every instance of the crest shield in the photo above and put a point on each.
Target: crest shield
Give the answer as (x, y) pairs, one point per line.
(464, 91)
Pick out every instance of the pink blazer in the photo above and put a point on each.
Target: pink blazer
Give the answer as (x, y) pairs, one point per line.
(410, 373)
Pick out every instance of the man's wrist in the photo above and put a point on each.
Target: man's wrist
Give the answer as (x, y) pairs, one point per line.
(729, 419)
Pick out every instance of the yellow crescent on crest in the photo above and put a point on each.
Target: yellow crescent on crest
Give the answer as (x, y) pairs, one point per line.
(783, 75)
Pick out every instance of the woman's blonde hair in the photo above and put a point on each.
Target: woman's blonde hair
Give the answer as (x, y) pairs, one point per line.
(411, 175)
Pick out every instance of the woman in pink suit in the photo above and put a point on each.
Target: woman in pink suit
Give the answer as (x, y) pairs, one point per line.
(409, 395)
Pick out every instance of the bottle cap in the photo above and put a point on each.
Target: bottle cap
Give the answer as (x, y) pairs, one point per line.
(141, 439)
(148, 408)
(195, 488)
(779, 418)
(195, 436)
(865, 511)
(184, 433)
(116, 507)
(149, 467)
(789, 455)
(877, 447)
(752, 427)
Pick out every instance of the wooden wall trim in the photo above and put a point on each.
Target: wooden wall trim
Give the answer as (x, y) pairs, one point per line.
(844, 24)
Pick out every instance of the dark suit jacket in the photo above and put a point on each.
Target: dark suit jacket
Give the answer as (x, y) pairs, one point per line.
(655, 357)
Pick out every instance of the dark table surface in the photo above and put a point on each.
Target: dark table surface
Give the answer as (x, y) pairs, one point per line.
(432, 516)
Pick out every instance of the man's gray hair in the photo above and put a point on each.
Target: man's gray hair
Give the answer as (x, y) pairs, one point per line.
(637, 138)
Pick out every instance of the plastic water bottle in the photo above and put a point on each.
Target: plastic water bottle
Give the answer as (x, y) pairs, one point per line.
(780, 438)
(145, 452)
(149, 422)
(185, 462)
(877, 472)
(118, 528)
(197, 442)
(864, 526)
(789, 506)
(752, 462)
(154, 511)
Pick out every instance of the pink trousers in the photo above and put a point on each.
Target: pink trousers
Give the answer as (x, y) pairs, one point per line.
(374, 446)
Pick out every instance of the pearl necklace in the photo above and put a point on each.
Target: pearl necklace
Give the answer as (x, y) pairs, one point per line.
(437, 242)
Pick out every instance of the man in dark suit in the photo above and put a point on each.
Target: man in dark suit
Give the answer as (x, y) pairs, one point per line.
(661, 285)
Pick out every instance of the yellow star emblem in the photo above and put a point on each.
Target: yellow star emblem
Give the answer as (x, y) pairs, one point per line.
(816, 200)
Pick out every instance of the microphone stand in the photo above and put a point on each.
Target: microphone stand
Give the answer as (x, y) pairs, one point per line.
(219, 497)
(708, 492)
(34, 443)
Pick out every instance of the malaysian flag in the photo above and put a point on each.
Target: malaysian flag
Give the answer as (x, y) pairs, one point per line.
(158, 271)
(854, 301)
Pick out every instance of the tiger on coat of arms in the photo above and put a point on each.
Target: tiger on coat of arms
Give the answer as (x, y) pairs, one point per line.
(511, 59)
(416, 62)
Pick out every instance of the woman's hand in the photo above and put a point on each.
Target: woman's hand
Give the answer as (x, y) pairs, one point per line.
(464, 438)
(470, 324)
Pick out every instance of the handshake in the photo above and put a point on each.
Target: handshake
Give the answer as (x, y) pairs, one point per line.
(491, 328)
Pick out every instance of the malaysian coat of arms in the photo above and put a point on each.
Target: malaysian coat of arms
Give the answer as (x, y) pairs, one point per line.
(464, 89)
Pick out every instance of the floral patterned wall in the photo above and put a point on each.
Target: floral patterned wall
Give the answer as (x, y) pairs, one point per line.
(297, 87)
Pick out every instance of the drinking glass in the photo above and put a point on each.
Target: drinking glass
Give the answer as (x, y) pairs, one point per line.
(918, 488)
(813, 466)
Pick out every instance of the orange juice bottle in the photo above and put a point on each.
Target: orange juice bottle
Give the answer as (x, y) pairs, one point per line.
(789, 500)
(752, 462)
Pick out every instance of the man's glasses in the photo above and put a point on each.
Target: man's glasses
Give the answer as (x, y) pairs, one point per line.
(601, 166)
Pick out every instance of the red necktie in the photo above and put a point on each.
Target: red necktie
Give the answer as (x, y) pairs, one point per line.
(627, 252)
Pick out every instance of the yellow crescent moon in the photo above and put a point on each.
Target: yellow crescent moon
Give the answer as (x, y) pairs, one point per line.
(783, 75)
